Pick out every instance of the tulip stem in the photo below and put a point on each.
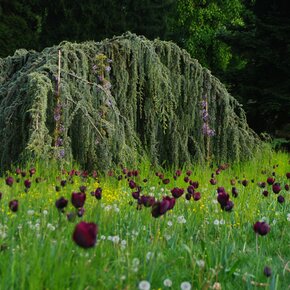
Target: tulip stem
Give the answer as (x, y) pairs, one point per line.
(257, 248)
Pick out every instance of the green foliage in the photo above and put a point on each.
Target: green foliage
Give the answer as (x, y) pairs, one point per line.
(20, 25)
(153, 105)
(262, 84)
(199, 25)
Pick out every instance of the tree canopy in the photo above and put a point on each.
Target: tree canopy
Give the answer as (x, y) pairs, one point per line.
(243, 42)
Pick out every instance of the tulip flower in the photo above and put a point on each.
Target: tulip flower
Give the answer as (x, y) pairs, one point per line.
(276, 187)
(85, 234)
(261, 228)
(13, 205)
(78, 199)
(9, 180)
(61, 203)
(98, 193)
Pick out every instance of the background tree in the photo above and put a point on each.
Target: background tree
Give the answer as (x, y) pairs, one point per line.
(262, 84)
(20, 25)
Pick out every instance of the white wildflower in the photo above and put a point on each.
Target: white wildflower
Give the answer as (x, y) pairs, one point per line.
(167, 283)
(115, 239)
(200, 263)
(144, 285)
(185, 286)
(181, 219)
(149, 255)
(216, 222)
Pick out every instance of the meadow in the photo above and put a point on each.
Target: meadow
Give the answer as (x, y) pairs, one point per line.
(196, 227)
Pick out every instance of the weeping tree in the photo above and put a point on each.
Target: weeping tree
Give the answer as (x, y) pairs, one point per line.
(115, 101)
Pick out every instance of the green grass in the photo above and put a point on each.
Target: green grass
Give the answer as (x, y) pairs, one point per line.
(37, 250)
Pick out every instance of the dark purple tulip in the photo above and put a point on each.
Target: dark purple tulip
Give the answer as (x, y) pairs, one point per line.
(245, 182)
(186, 178)
(223, 199)
(110, 173)
(177, 192)
(120, 177)
(280, 199)
(146, 200)
(267, 271)
(98, 193)
(235, 192)
(135, 172)
(83, 188)
(32, 171)
(213, 181)
(276, 187)
(287, 187)
(171, 201)
(23, 173)
(197, 196)
(221, 189)
(262, 184)
(178, 172)
(270, 180)
(145, 180)
(1, 195)
(85, 174)
(156, 209)
(18, 171)
(188, 196)
(161, 176)
(9, 181)
(63, 183)
(195, 184)
(190, 189)
(261, 228)
(85, 234)
(160, 208)
(217, 172)
(132, 184)
(265, 193)
(78, 199)
(27, 183)
(136, 194)
(288, 175)
(188, 172)
(81, 212)
(95, 174)
(166, 181)
(13, 205)
(61, 203)
(164, 206)
(229, 206)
